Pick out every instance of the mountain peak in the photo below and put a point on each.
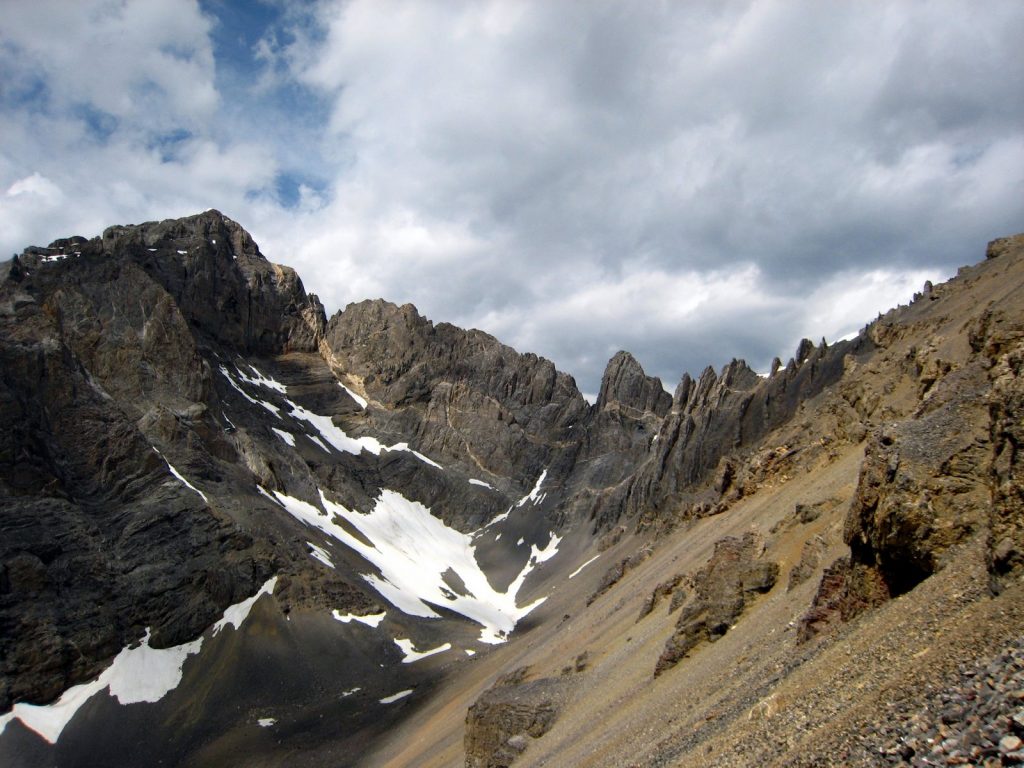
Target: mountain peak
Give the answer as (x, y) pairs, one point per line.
(624, 383)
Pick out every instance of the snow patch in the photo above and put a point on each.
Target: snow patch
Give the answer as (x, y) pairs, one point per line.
(535, 495)
(260, 380)
(147, 674)
(239, 612)
(358, 398)
(231, 380)
(181, 477)
(470, 652)
(288, 437)
(337, 437)
(411, 654)
(503, 516)
(481, 483)
(350, 691)
(584, 566)
(265, 722)
(417, 454)
(324, 425)
(319, 553)
(412, 550)
(370, 619)
(137, 674)
(396, 696)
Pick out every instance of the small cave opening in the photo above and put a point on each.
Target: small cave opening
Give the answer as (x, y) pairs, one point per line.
(902, 574)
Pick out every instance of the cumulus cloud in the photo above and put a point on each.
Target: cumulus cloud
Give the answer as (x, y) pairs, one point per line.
(124, 59)
(690, 181)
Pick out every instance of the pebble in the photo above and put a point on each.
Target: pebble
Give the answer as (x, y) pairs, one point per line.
(977, 721)
(1009, 744)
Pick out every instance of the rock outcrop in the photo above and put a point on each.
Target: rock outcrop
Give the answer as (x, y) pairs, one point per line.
(699, 447)
(626, 386)
(502, 722)
(947, 470)
(722, 589)
(1000, 340)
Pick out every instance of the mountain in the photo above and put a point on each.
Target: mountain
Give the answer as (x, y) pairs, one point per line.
(238, 532)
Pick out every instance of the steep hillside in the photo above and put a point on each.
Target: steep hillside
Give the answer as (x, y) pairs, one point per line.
(318, 535)
(823, 604)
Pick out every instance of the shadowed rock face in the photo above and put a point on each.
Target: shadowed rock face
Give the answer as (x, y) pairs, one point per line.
(214, 272)
(107, 350)
(461, 395)
(140, 340)
(625, 385)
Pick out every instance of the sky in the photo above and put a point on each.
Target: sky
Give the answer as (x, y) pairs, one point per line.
(690, 181)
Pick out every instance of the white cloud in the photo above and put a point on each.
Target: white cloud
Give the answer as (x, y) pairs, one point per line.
(124, 58)
(691, 181)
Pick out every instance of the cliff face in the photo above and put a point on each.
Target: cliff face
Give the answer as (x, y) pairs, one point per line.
(162, 382)
(461, 395)
(110, 352)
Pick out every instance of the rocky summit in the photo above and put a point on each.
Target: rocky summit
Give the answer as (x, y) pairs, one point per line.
(236, 532)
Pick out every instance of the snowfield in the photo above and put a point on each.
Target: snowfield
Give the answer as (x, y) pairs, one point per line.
(412, 550)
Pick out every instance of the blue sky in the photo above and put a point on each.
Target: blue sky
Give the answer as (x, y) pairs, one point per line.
(690, 181)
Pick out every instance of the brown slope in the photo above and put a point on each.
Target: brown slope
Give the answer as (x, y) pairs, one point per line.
(935, 403)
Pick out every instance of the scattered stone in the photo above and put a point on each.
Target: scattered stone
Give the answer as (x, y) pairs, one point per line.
(965, 724)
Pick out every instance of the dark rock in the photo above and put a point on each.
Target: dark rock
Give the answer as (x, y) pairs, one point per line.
(625, 385)
(660, 591)
(810, 559)
(846, 590)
